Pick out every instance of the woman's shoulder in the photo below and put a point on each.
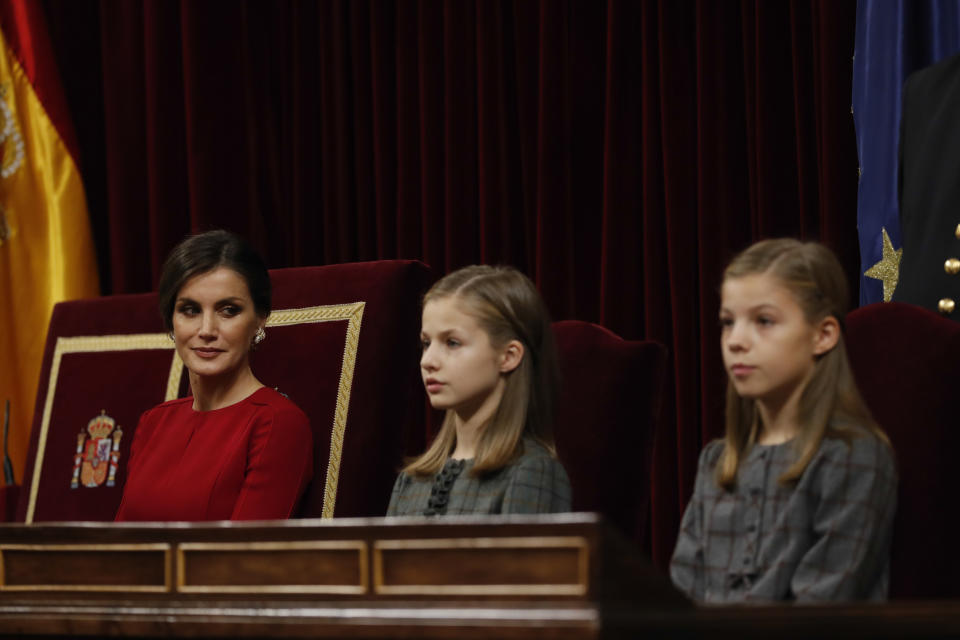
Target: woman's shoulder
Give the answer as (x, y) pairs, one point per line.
(166, 408)
(172, 412)
(278, 404)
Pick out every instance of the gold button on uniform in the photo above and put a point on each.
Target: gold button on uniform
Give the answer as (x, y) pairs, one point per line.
(952, 266)
(956, 232)
(946, 306)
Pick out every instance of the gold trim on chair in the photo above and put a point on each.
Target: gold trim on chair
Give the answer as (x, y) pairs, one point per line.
(352, 313)
(173, 380)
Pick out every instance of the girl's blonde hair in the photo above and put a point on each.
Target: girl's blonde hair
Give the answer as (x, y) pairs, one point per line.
(508, 307)
(830, 405)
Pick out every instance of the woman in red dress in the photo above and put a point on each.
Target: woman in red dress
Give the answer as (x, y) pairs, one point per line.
(234, 449)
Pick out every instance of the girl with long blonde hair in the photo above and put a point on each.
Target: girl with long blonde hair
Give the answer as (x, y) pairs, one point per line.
(796, 503)
(489, 362)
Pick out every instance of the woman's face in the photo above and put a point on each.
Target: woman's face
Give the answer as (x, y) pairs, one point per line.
(214, 322)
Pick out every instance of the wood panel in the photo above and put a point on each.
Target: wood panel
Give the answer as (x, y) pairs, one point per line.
(85, 567)
(564, 577)
(536, 565)
(315, 567)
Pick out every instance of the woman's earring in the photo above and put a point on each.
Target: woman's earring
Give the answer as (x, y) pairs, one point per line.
(259, 336)
(170, 335)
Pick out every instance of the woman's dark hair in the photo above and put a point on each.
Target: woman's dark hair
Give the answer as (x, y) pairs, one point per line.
(205, 252)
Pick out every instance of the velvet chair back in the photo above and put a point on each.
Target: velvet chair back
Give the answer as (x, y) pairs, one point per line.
(608, 413)
(365, 420)
(106, 356)
(341, 343)
(905, 360)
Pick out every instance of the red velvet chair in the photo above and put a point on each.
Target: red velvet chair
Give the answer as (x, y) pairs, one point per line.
(607, 416)
(341, 343)
(905, 360)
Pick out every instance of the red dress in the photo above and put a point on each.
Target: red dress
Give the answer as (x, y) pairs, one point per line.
(249, 461)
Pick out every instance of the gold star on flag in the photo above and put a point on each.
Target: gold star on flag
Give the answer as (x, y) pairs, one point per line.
(888, 269)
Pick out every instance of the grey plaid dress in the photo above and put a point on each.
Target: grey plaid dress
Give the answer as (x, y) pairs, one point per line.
(533, 483)
(826, 538)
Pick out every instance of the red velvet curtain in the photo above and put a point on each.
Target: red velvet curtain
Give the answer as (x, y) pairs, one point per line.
(618, 152)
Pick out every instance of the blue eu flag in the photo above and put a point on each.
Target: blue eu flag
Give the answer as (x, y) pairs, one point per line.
(894, 38)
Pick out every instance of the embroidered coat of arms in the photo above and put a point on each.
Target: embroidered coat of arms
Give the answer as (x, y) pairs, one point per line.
(98, 453)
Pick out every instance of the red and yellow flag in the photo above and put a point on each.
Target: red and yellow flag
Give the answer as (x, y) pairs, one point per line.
(46, 249)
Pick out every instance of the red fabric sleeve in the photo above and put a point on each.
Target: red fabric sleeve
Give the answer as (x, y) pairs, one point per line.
(279, 466)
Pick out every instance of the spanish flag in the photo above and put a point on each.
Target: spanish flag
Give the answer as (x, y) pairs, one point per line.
(46, 249)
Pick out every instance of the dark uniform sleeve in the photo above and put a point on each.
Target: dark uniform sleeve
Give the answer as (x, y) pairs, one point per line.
(928, 192)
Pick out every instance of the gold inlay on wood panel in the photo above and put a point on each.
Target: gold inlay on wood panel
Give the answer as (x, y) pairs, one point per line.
(361, 587)
(574, 543)
(163, 548)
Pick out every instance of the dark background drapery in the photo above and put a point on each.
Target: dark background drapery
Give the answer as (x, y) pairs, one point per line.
(618, 152)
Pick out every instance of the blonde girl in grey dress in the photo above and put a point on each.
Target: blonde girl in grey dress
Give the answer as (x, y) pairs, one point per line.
(489, 362)
(796, 503)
